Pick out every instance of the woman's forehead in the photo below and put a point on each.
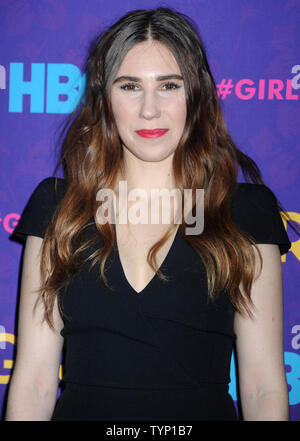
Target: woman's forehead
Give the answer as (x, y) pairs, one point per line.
(149, 56)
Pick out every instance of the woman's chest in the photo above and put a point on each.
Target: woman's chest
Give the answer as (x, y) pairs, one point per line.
(133, 245)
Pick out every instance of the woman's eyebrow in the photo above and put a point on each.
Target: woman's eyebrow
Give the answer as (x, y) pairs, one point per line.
(139, 80)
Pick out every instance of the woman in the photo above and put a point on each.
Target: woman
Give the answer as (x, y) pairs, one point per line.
(148, 315)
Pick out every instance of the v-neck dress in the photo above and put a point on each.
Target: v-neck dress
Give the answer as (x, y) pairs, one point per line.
(163, 353)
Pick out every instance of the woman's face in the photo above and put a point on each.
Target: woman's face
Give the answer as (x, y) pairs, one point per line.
(148, 93)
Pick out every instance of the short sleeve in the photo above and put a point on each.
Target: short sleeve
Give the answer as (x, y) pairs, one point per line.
(255, 211)
(39, 209)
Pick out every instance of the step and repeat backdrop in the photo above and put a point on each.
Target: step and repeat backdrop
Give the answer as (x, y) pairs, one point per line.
(254, 52)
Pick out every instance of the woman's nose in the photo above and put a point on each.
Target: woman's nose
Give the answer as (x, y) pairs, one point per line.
(150, 107)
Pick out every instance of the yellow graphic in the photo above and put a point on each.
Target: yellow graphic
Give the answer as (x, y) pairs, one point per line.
(295, 248)
(8, 364)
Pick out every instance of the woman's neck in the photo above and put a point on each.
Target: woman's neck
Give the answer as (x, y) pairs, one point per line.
(145, 175)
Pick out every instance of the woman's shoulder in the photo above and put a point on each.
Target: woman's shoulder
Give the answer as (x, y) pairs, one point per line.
(40, 208)
(254, 200)
(255, 209)
(251, 199)
(51, 184)
(49, 191)
(256, 193)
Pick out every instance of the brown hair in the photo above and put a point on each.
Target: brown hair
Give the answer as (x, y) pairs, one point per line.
(205, 158)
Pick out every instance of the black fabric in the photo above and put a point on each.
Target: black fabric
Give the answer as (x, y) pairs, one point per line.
(163, 353)
(255, 210)
(40, 209)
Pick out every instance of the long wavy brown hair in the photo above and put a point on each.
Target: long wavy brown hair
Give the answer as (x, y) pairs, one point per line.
(205, 158)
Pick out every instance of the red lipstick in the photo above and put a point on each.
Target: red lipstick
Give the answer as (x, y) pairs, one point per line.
(156, 133)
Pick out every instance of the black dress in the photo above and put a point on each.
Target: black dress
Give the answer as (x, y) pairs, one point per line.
(163, 353)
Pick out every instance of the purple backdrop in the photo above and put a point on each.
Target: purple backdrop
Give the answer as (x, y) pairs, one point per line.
(253, 50)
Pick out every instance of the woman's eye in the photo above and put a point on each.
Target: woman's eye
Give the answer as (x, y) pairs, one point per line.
(129, 86)
(170, 86)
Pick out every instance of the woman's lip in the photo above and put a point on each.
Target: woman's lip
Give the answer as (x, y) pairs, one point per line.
(151, 133)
